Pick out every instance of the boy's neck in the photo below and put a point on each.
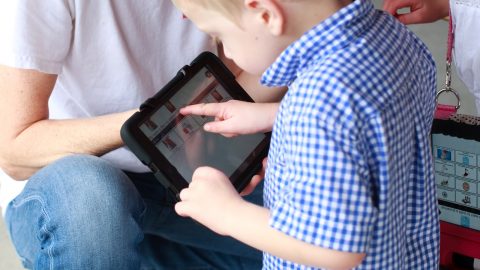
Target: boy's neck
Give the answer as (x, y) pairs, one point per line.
(302, 16)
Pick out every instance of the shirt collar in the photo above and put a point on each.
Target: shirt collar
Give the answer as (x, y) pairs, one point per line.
(335, 32)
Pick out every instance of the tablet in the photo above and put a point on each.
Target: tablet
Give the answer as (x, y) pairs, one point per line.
(173, 145)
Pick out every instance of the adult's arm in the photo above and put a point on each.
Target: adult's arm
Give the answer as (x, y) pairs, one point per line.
(29, 140)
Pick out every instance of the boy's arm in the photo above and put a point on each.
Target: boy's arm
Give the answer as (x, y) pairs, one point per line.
(212, 200)
(235, 117)
(248, 223)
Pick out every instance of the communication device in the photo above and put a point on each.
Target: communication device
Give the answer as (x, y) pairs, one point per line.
(173, 145)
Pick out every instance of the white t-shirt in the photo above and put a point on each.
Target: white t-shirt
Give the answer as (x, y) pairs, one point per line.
(109, 56)
(466, 21)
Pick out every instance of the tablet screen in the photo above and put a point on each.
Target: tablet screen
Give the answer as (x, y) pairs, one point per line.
(182, 140)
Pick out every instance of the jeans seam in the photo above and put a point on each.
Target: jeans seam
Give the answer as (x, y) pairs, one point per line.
(44, 227)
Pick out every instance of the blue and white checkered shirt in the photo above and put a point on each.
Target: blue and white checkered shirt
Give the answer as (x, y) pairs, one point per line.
(350, 165)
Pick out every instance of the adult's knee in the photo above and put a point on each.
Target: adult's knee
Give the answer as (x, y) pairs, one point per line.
(86, 185)
(78, 206)
(81, 178)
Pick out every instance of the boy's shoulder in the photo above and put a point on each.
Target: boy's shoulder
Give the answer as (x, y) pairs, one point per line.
(369, 72)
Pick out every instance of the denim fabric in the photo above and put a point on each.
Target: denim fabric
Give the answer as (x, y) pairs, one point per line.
(82, 213)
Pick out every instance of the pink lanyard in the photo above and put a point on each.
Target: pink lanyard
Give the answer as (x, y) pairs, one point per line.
(451, 37)
(444, 111)
(450, 40)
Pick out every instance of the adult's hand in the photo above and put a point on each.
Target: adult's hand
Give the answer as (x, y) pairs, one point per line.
(256, 179)
(421, 11)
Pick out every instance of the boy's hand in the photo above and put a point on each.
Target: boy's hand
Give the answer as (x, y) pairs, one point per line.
(209, 199)
(421, 11)
(235, 117)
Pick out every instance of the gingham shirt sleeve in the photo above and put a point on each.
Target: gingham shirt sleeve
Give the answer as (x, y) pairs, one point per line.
(327, 199)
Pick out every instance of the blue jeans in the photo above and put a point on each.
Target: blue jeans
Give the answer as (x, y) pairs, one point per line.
(82, 213)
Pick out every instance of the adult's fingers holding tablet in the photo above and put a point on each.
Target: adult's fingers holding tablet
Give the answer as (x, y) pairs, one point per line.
(256, 179)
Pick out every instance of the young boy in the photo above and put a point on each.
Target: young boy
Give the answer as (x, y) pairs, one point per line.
(349, 181)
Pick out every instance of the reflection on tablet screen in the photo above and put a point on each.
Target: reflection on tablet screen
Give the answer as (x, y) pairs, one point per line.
(182, 140)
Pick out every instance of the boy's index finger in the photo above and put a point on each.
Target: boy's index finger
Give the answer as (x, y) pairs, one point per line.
(207, 109)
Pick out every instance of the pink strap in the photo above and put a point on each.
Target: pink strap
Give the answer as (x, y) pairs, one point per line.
(451, 38)
(444, 111)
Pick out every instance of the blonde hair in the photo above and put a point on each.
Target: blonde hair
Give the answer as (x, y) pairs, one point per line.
(230, 9)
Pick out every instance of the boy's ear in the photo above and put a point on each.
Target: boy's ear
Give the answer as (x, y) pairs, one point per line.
(270, 13)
